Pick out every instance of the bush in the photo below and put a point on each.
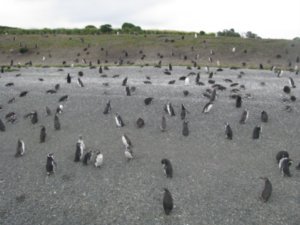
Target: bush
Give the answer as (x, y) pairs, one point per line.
(106, 28)
(23, 50)
(228, 33)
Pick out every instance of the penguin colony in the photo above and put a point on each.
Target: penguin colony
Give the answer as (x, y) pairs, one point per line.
(95, 157)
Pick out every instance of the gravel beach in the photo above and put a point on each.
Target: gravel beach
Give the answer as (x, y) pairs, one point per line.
(215, 180)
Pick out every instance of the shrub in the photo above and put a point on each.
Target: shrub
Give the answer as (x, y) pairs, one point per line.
(23, 50)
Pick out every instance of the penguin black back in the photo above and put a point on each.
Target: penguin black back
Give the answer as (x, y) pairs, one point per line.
(183, 112)
(238, 102)
(56, 122)
(78, 152)
(50, 164)
(264, 116)
(147, 101)
(87, 157)
(69, 79)
(185, 128)
(256, 132)
(140, 123)
(168, 169)
(124, 82)
(34, 117)
(43, 134)
(107, 108)
(267, 191)
(228, 131)
(127, 89)
(2, 126)
(163, 125)
(167, 201)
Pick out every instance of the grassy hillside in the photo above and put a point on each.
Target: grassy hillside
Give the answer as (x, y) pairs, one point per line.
(148, 49)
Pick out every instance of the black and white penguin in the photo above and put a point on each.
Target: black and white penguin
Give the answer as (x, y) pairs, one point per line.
(63, 98)
(163, 125)
(78, 152)
(167, 166)
(167, 201)
(2, 126)
(183, 112)
(264, 117)
(87, 157)
(267, 191)
(126, 141)
(187, 80)
(292, 83)
(148, 100)
(256, 132)
(80, 83)
(228, 131)
(169, 109)
(48, 111)
(128, 92)
(128, 153)
(207, 107)
(244, 116)
(281, 154)
(140, 123)
(99, 159)
(107, 108)
(69, 79)
(59, 109)
(185, 128)
(197, 79)
(51, 164)
(56, 122)
(20, 148)
(284, 166)
(124, 82)
(43, 134)
(238, 102)
(119, 120)
(34, 117)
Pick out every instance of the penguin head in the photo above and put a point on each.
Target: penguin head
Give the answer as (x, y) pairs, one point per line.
(50, 155)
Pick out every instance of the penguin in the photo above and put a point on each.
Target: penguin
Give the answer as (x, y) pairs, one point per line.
(98, 159)
(119, 121)
(59, 109)
(124, 82)
(207, 107)
(56, 122)
(34, 117)
(148, 101)
(48, 111)
(187, 81)
(256, 132)
(163, 125)
(56, 87)
(238, 102)
(169, 109)
(20, 148)
(78, 152)
(100, 69)
(292, 83)
(2, 126)
(267, 191)
(186, 93)
(228, 131)
(140, 123)
(81, 142)
(127, 89)
(244, 116)
(170, 67)
(284, 166)
(126, 141)
(197, 79)
(167, 201)
(107, 108)
(213, 95)
(185, 128)
(167, 166)
(43, 134)
(80, 83)
(69, 79)
(63, 98)
(183, 112)
(87, 157)
(128, 153)
(281, 154)
(264, 117)
(23, 94)
(51, 164)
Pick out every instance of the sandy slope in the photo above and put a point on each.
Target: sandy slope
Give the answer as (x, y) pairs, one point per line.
(215, 180)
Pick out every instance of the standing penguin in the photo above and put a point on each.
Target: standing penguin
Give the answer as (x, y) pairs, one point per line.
(81, 142)
(127, 89)
(185, 128)
(256, 132)
(244, 117)
(167, 166)
(43, 134)
(163, 125)
(87, 157)
(100, 69)
(284, 166)
(140, 123)
(187, 80)
(167, 201)
(126, 141)
(34, 117)
(2, 126)
(50, 164)
(80, 83)
(238, 102)
(119, 120)
(99, 159)
(69, 78)
(183, 112)
(20, 148)
(169, 109)
(59, 109)
(78, 152)
(228, 131)
(281, 154)
(267, 191)
(264, 117)
(124, 82)
(213, 95)
(107, 108)
(292, 83)
(56, 122)
(207, 107)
